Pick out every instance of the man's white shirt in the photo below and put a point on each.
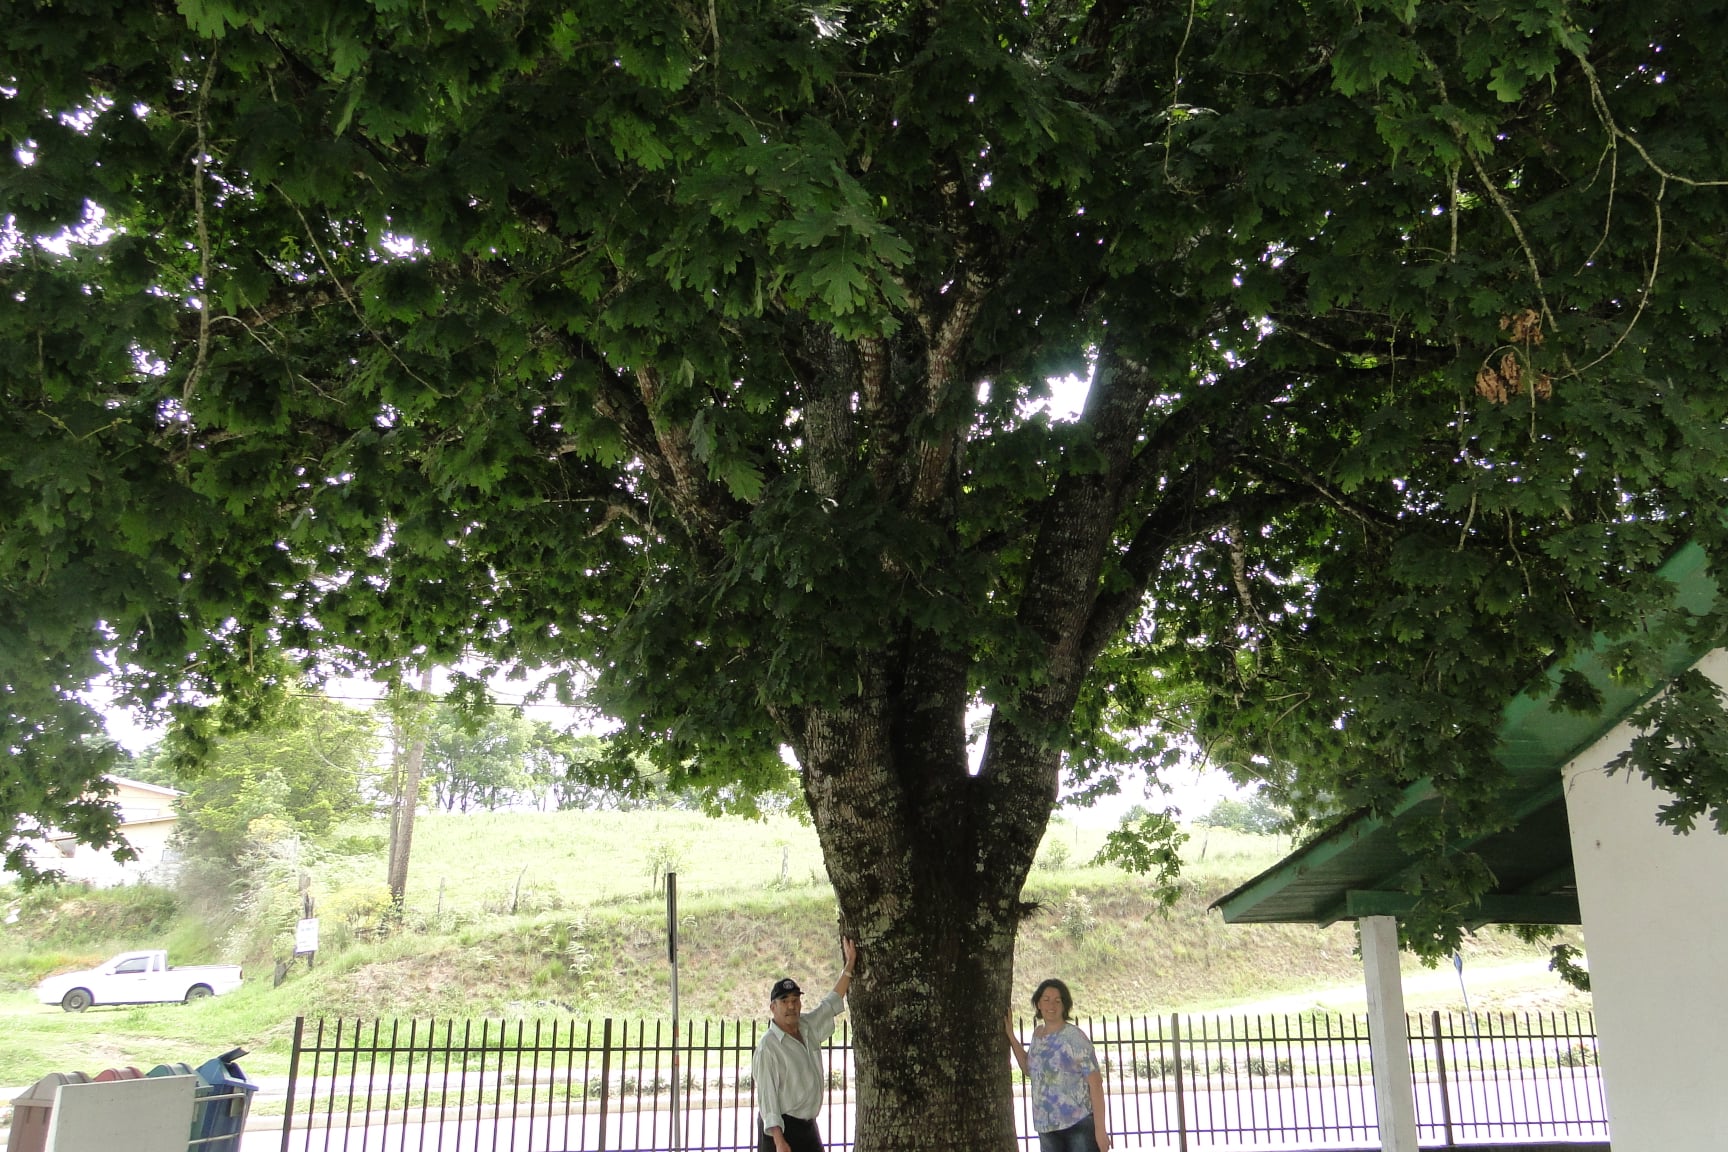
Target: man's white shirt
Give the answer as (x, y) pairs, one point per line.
(788, 1074)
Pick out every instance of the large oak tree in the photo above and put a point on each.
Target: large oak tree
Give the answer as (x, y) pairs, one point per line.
(698, 347)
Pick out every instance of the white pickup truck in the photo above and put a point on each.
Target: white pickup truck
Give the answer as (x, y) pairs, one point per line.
(137, 978)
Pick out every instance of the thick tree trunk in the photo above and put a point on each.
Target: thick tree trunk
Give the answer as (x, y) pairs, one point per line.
(927, 861)
(933, 1068)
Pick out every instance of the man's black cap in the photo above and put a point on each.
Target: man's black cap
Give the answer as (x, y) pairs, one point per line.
(785, 986)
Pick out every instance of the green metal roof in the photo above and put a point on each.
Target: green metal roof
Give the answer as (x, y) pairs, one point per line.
(1359, 869)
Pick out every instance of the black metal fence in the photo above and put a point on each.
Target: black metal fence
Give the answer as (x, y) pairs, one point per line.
(1506, 1076)
(1294, 1081)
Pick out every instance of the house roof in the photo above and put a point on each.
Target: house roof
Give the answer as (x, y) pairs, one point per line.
(128, 782)
(1359, 868)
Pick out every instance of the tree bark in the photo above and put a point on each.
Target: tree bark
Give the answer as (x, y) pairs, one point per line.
(927, 861)
(933, 1068)
(404, 804)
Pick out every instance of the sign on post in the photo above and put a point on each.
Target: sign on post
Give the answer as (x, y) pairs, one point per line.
(306, 938)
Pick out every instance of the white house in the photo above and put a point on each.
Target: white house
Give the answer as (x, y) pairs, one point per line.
(147, 819)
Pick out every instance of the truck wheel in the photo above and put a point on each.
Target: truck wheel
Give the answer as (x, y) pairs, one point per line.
(77, 1000)
(198, 992)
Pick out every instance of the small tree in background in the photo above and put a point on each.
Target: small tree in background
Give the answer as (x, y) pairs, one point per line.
(1255, 813)
(307, 769)
(478, 761)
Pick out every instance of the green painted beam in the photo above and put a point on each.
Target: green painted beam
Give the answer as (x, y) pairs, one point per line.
(1339, 910)
(1359, 903)
(1317, 853)
(1553, 908)
(1564, 877)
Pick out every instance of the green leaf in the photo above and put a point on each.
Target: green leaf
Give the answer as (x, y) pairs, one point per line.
(839, 278)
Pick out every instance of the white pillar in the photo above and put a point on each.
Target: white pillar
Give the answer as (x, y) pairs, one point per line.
(1388, 1035)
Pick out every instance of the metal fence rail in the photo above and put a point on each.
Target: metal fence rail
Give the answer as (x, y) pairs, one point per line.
(1493, 1076)
(1292, 1081)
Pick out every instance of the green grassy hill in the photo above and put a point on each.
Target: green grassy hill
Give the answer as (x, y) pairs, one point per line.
(544, 914)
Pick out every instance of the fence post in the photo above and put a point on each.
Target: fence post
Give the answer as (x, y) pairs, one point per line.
(1440, 1066)
(1181, 1094)
(605, 1078)
(293, 1073)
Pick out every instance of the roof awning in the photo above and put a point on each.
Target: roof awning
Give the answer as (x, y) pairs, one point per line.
(1358, 868)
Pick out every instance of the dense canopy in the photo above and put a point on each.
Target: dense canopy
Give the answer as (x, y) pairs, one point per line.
(700, 349)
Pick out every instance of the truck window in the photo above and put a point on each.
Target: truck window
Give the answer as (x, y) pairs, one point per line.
(136, 964)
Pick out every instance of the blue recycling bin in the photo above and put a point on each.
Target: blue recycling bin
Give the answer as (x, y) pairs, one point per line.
(224, 1100)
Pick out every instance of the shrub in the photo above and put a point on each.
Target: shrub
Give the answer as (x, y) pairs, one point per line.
(1158, 1068)
(253, 903)
(364, 909)
(359, 844)
(1076, 917)
(71, 914)
(1053, 858)
(663, 856)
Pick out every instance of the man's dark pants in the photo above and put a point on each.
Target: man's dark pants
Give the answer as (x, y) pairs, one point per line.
(800, 1134)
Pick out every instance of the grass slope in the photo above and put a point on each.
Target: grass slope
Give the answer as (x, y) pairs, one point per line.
(587, 938)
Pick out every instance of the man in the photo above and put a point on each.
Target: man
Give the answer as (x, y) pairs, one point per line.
(787, 1066)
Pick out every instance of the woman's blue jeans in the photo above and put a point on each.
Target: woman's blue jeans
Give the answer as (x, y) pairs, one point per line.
(1079, 1137)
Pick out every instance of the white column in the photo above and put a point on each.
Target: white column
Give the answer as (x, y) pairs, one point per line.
(1388, 1035)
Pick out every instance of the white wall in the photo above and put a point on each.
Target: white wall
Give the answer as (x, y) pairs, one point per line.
(1655, 911)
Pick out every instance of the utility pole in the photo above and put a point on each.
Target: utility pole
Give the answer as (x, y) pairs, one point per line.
(408, 766)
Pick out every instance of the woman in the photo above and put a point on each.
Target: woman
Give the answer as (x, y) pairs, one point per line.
(1067, 1084)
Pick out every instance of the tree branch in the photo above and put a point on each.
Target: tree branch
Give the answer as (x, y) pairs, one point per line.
(1283, 471)
(1173, 523)
(665, 452)
(203, 226)
(938, 445)
(831, 370)
(971, 285)
(1079, 520)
